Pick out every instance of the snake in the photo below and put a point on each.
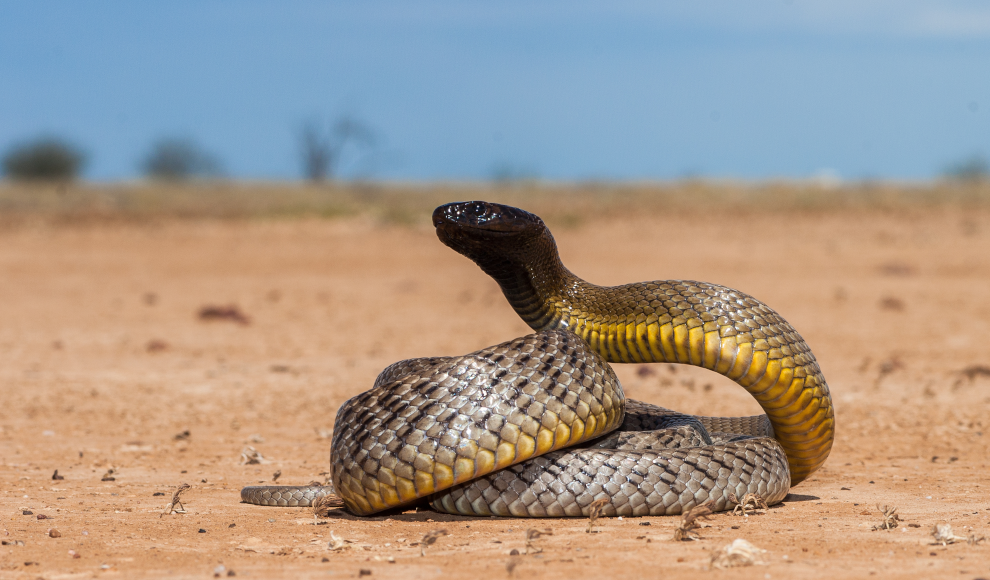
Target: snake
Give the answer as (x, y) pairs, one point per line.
(539, 426)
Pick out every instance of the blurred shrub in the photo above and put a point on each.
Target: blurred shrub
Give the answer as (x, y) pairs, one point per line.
(177, 159)
(47, 158)
(975, 168)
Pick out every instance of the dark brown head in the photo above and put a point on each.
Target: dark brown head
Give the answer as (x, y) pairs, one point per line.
(492, 234)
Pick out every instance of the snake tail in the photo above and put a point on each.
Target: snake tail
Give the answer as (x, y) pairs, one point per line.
(673, 321)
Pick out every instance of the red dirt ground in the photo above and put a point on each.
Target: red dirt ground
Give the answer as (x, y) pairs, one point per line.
(104, 361)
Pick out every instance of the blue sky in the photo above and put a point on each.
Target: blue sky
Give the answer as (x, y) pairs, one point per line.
(563, 90)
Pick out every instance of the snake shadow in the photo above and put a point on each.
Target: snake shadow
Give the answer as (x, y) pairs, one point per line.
(417, 512)
(793, 497)
(423, 513)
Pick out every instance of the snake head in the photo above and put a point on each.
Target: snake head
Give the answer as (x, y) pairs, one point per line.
(484, 231)
(482, 217)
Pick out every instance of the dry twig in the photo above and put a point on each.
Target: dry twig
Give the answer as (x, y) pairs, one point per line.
(533, 535)
(750, 501)
(738, 553)
(276, 475)
(689, 522)
(175, 506)
(944, 535)
(595, 512)
(429, 539)
(890, 518)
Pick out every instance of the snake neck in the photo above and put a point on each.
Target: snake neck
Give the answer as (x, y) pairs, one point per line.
(538, 289)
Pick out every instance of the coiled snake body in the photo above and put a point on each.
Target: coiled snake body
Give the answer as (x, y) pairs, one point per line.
(538, 426)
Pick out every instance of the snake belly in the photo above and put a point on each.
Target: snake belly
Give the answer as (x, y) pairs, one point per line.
(674, 321)
(537, 427)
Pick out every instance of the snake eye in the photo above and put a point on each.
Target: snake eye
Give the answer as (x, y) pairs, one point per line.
(480, 211)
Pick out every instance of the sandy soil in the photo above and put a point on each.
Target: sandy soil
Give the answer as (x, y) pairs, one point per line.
(104, 364)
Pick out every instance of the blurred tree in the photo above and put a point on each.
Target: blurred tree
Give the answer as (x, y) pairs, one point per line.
(322, 150)
(975, 168)
(177, 159)
(48, 158)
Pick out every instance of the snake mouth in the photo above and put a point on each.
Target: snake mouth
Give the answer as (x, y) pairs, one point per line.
(483, 217)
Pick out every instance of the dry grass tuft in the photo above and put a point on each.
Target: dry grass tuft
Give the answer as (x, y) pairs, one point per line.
(595, 512)
(324, 503)
(750, 501)
(689, 523)
(890, 518)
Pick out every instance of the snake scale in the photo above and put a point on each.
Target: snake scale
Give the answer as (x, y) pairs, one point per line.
(539, 426)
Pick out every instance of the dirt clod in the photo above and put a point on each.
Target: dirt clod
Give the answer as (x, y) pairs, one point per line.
(230, 313)
(156, 345)
(251, 456)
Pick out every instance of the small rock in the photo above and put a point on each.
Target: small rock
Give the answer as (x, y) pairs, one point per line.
(202, 531)
(53, 533)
